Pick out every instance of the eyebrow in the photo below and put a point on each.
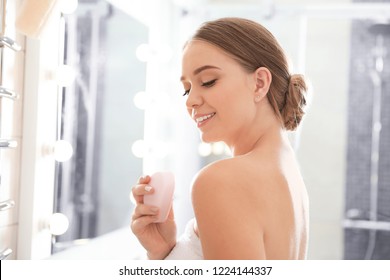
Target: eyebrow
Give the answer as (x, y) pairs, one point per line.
(200, 69)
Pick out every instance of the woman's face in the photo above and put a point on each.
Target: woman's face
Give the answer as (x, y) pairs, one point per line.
(219, 93)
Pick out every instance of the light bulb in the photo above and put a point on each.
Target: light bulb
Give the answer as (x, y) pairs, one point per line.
(65, 75)
(218, 148)
(204, 149)
(143, 52)
(63, 151)
(58, 224)
(141, 100)
(68, 6)
(139, 148)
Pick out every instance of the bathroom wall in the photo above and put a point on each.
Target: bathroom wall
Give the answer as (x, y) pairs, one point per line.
(322, 147)
(365, 243)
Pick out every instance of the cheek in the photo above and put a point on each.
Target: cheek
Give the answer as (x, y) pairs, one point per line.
(239, 109)
(223, 96)
(232, 99)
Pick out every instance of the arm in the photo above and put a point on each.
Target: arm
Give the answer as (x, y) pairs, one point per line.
(227, 219)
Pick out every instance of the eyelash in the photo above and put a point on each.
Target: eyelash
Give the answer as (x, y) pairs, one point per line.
(205, 84)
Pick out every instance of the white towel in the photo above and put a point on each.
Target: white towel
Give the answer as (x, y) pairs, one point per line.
(188, 246)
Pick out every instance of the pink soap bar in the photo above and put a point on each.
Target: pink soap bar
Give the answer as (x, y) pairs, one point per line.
(164, 186)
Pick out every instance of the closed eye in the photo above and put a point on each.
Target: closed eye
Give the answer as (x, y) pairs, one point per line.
(209, 83)
(187, 92)
(205, 84)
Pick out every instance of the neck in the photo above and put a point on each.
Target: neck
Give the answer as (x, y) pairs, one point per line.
(272, 135)
(264, 129)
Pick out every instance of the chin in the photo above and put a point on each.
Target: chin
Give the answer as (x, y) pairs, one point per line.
(207, 138)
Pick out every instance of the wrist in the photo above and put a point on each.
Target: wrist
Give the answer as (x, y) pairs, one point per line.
(154, 256)
(159, 255)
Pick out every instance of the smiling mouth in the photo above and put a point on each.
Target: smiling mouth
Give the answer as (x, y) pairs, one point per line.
(203, 119)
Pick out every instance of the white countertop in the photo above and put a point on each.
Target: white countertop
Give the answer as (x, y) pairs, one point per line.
(120, 244)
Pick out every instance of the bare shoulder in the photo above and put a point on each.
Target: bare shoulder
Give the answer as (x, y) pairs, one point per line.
(216, 177)
(233, 176)
(221, 203)
(212, 180)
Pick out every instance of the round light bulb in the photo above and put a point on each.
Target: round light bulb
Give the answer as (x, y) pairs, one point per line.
(204, 149)
(139, 148)
(218, 148)
(65, 75)
(63, 151)
(141, 100)
(68, 6)
(143, 52)
(58, 224)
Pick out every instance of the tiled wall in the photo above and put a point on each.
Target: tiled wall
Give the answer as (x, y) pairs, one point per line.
(360, 107)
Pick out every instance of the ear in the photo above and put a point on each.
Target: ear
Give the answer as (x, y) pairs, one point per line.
(263, 78)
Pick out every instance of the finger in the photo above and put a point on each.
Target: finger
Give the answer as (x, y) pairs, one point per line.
(139, 191)
(144, 210)
(144, 179)
(138, 225)
(142, 189)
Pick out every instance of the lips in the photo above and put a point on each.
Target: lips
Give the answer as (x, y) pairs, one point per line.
(203, 118)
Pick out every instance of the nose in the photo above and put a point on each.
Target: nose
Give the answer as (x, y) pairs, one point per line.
(194, 99)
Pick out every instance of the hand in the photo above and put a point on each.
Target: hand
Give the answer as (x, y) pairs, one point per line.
(157, 238)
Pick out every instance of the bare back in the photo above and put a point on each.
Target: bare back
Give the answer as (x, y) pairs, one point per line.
(285, 215)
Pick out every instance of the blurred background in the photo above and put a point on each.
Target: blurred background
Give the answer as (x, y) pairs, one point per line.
(113, 110)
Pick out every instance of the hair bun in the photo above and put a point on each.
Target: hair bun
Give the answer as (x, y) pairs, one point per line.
(295, 102)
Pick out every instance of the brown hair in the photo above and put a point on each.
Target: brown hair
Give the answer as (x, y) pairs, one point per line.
(253, 46)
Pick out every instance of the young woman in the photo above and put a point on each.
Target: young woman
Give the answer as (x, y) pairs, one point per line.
(254, 205)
